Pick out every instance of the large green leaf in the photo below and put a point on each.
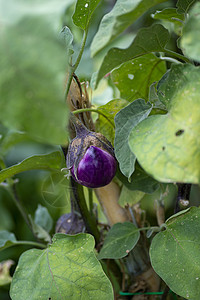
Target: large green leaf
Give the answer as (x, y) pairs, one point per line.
(125, 120)
(190, 40)
(151, 39)
(167, 146)
(133, 78)
(32, 72)
(67, 269)
(105, 124)
(175, 254)
(120, 240)
(52, 161)
(83, 12)
(124, 13)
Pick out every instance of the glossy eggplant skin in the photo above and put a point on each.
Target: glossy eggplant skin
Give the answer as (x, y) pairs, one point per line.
(96, 168)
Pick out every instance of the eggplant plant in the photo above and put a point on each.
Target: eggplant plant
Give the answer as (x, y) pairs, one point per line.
(99, 150)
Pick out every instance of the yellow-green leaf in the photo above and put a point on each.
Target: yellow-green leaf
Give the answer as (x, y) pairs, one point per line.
(167, 146)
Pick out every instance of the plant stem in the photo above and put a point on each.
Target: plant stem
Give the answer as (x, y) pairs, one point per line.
(13, 193)
(69, 80)
(89, 220)
(90, 200)
(172, 53)
(74, 67)
(146, 228)
(11, 188)
(40, 245)
(160, 211)
(93, 110)
(80, 128)
(170, 59)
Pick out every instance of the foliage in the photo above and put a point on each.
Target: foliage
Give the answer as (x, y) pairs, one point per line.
(146, 54)
(181, 237)
(68, 267)
(123, 237)
(177, 130)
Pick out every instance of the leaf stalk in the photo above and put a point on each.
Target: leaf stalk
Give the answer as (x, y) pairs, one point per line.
(74, 67)
(78, 111)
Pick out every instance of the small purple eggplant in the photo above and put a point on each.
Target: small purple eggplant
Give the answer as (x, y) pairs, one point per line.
(90, 157)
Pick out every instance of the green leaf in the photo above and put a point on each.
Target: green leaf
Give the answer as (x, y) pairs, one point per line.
(183, 6)
(139, 181)
(43, 218)
(125, 120)
(32, 74)
(129, 197)
(120, 240)
(67, 269)
(175, 254)
(190, 40)
(169, 14)
(134, 77)
(154, 99)
(5, 277)
(39, 231)
(42, 223)
(83, 12)
(67, 37)
(151, 39)
(7, 239)
(106, 126)
(167, 146)
(123, 14)
(52, 161)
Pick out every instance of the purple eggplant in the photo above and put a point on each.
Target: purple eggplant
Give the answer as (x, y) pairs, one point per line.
(97, 168)
(90, 157)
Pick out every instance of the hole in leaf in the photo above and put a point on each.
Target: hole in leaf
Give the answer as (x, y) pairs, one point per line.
(179, 132)
(163, 148)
